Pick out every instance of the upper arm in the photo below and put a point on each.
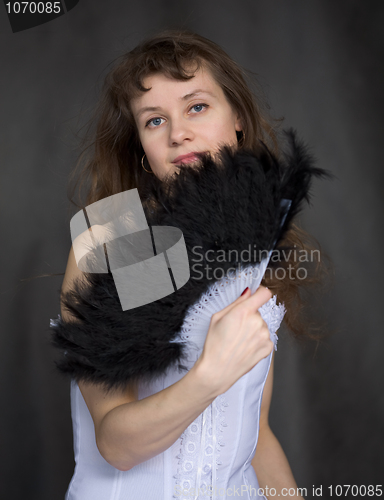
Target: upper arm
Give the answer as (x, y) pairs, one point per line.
(72, 272)
(98, 400)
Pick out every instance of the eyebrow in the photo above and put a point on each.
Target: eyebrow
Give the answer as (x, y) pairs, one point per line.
(184, 98)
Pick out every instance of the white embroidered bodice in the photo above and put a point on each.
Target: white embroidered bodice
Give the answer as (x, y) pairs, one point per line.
(212, 457)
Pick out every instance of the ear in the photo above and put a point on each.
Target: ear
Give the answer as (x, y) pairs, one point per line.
(238, 124)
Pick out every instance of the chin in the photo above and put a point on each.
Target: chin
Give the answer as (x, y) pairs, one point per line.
(165, 174)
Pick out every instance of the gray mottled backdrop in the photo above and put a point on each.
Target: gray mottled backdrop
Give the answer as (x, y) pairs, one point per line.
(321, 65)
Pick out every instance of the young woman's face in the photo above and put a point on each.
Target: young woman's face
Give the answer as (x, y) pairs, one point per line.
(178, 118)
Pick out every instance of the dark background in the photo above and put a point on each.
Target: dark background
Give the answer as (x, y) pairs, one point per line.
(320, 63)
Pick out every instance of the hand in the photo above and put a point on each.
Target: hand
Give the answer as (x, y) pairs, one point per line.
(237, 339)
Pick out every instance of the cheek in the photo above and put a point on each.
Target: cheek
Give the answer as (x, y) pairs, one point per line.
(153, 150)
(222, 133)
(156, 157)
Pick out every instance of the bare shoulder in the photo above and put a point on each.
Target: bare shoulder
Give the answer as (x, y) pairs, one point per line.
(98, 399)
(72, 273)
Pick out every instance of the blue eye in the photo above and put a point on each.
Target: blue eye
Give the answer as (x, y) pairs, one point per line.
(153, 120)
(201, 106)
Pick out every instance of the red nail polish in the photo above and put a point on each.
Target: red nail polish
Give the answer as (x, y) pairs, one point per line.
(244, 291)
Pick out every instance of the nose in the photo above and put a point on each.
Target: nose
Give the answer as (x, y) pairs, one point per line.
(180, 131)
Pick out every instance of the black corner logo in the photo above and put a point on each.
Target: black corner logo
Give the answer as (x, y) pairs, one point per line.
(25, 15)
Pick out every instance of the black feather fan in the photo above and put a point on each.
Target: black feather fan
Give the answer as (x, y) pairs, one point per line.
(228, 205)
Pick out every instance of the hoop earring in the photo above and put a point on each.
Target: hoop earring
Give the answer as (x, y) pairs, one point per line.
(142, 164)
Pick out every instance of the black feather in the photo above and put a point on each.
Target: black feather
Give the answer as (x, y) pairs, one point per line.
(227, 204)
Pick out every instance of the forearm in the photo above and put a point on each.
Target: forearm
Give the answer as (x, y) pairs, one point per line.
(134, 432)
(272, 467)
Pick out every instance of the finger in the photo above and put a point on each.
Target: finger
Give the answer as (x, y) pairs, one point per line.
(260, 297)
(246, 293)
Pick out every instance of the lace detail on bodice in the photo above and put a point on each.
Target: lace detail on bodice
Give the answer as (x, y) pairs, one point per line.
(200, 471)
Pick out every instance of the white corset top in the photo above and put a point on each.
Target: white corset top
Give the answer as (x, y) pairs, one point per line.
(212, 457)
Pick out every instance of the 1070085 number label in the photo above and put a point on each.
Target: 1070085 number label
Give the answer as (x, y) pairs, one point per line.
(356, 491)
(33, 7)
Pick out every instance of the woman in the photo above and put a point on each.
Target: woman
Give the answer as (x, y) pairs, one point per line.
(173, 102)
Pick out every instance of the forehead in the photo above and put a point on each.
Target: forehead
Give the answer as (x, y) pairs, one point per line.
(164, 89)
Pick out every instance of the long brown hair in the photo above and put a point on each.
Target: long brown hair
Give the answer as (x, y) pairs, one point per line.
(110, 161)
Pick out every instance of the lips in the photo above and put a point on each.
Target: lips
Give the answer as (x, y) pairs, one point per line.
(187, 158)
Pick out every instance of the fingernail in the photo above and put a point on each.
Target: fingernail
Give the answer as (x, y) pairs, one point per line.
(244, 291)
